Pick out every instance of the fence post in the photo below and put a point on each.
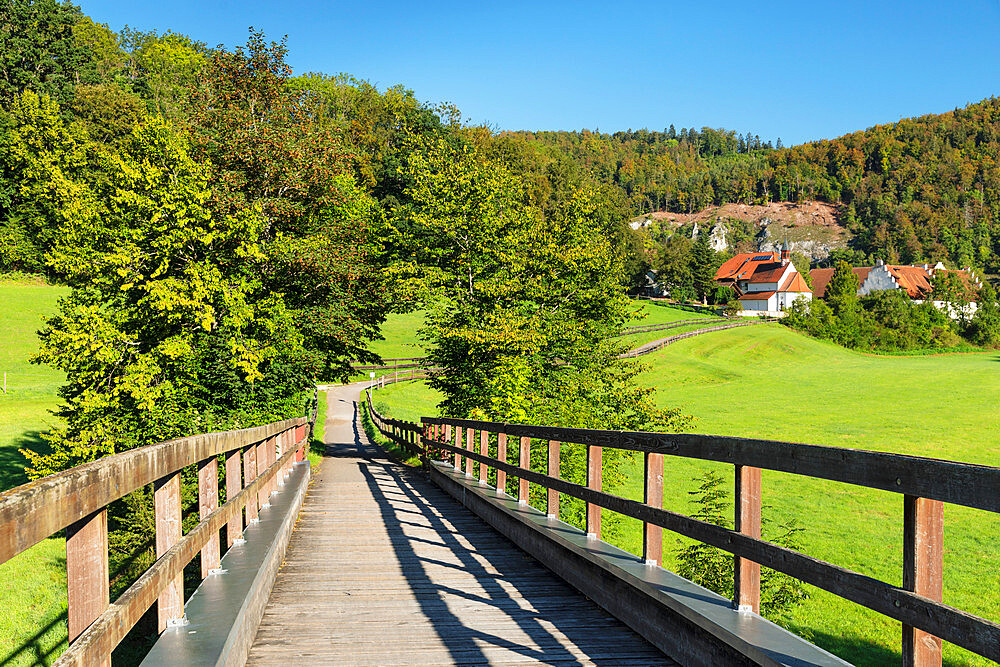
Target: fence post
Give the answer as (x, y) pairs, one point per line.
(746, 585)
(553, 471)
(87, 572)
(524, 461)
(234, 482)
(263, 491)
(484, 449)
(249, 475)
(470, 444)
(923, 572)
(595, 456)
(458, 444)
(652, 546)
(502, 457)
(208, 502)
(167, 508)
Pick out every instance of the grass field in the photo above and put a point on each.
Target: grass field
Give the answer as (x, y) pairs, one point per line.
(770, 382)
(32, 585)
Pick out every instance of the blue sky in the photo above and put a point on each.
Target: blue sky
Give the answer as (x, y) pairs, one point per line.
(799, 71)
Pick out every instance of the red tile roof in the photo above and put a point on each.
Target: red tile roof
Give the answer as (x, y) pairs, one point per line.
(821, 278)
(795, 283)
(757, 296)
(766, 273)
(914, 279)
(743, 262)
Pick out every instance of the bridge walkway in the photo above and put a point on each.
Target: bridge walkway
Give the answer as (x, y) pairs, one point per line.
(384, 568)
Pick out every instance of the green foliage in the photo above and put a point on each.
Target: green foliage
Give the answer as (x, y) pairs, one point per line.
(38, 51)
(161, 289)
(521, 308)
(984, 327)
(714, 569)
(319, 233)
(842, 291)
(42, 159)
(885, 320)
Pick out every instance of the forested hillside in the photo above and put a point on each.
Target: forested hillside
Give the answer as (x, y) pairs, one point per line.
(924, 188)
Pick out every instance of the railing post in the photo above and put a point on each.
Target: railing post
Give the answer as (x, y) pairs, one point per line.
(167, 507)
(300, 455)
(746, 585)
(458, 446)
(263, 491)
(923, 572)
(208, 502)
(502, 457)
(595, 456)
(652, 545)
(484, 449)
(249, 475)
(553, 471)
(234, 482)
(87, 572)
(524, 461)
(470, 444)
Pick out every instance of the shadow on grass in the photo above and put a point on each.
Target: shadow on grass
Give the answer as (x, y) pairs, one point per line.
(34, 651)
(12, 462)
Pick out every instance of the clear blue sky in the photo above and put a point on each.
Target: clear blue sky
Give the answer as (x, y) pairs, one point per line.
(799, 71)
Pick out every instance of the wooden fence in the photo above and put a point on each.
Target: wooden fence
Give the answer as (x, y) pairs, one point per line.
(256, 462)
(924, 484)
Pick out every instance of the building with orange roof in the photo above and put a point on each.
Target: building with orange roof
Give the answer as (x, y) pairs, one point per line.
(764, 282)
(916, 280)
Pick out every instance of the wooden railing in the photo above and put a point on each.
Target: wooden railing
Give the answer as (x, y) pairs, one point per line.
(395, 364)
(925, 485)
(645, 328)
(256, 462)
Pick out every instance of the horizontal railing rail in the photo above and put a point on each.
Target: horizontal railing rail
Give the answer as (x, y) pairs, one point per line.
(924, 483)
(256, 462)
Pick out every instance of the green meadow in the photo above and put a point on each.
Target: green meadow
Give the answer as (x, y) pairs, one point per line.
(33, 584)
(769, 382)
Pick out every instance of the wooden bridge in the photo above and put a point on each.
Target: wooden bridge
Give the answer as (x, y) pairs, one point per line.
(374, 563)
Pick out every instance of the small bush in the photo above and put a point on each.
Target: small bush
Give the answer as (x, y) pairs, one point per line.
(714, 569)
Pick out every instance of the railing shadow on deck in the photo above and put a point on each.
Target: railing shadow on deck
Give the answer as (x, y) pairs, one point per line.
(462, 644)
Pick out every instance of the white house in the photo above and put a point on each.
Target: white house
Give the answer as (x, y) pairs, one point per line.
(767, 283)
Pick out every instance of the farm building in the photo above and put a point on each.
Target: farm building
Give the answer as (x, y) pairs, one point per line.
(916, 280)
(766, 283)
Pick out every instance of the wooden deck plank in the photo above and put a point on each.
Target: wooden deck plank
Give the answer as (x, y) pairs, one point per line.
(384, 568)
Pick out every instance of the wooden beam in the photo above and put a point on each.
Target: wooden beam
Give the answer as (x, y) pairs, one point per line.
(595, 456)
(249, 475)
(552, 506)
(167, 507)
(264, 494)
(470, 443)
(747, 508)
(87, 573)
(652, 538)
(208, 502)
(524, 461)
(949, 481)
(502, 457)
(234, 483)
(34, 511)
(484, 449)
(923, 573)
